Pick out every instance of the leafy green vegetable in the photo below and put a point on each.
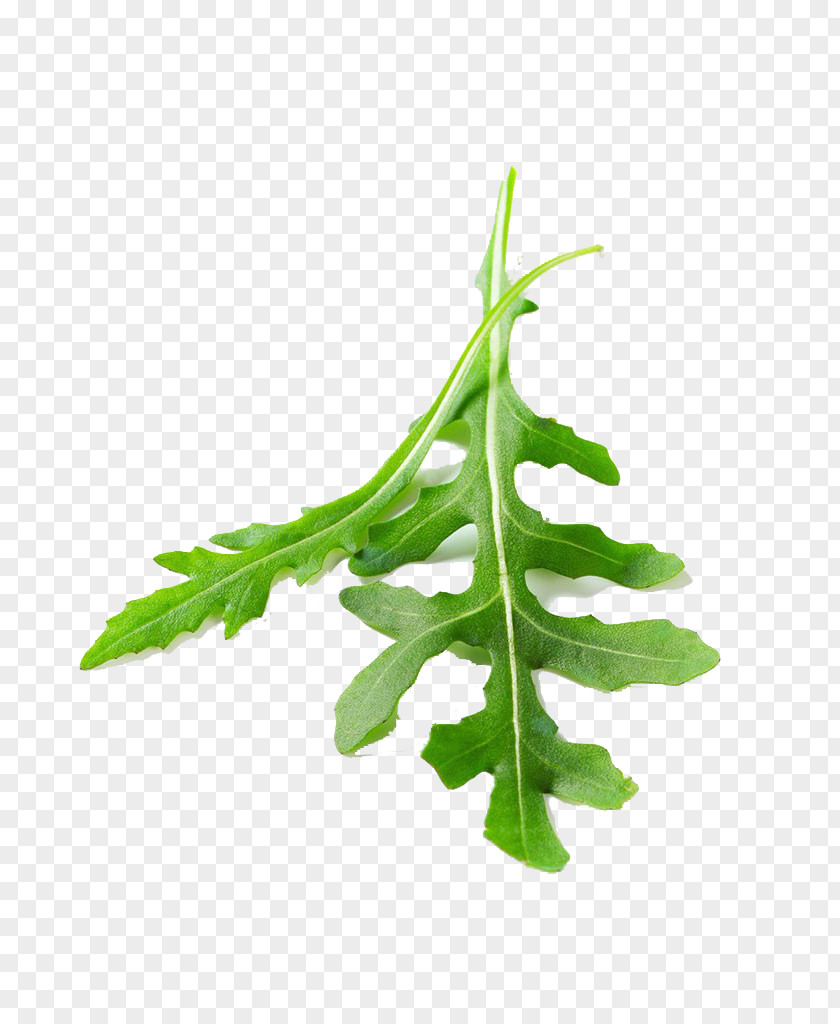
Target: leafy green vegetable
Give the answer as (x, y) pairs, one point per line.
(237, 586)
(513, 737)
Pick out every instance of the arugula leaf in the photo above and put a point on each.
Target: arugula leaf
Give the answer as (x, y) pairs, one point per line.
(237, 586)
(513, 738)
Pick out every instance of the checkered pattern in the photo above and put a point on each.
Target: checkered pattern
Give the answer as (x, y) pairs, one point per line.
(238, 260)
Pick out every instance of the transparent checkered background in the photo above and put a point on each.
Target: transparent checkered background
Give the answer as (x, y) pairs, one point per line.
(238, 260)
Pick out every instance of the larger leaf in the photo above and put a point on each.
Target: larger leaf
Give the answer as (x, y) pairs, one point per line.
(513, 737)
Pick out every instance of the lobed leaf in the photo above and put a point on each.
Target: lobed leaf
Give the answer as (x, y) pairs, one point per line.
(512, 737)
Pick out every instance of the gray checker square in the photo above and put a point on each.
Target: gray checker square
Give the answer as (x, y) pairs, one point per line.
(238, 259)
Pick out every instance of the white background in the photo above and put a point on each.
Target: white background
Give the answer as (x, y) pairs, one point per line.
(238, 261)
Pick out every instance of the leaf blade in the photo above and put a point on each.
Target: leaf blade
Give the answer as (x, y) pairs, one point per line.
(512, 737)
(305, 544)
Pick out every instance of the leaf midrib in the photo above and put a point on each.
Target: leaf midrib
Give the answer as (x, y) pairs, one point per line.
(494, 480)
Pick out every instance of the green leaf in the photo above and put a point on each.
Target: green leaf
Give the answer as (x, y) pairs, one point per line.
(497, 618)
(512, 738)
(237, 586)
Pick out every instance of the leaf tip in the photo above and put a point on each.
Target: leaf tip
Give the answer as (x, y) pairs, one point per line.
(344, 748)
(652, 567)
(175, 561)
(348, 742)
(551, 862)
(701, 657)
(629, 790)
(89, 660)
(713, 658)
